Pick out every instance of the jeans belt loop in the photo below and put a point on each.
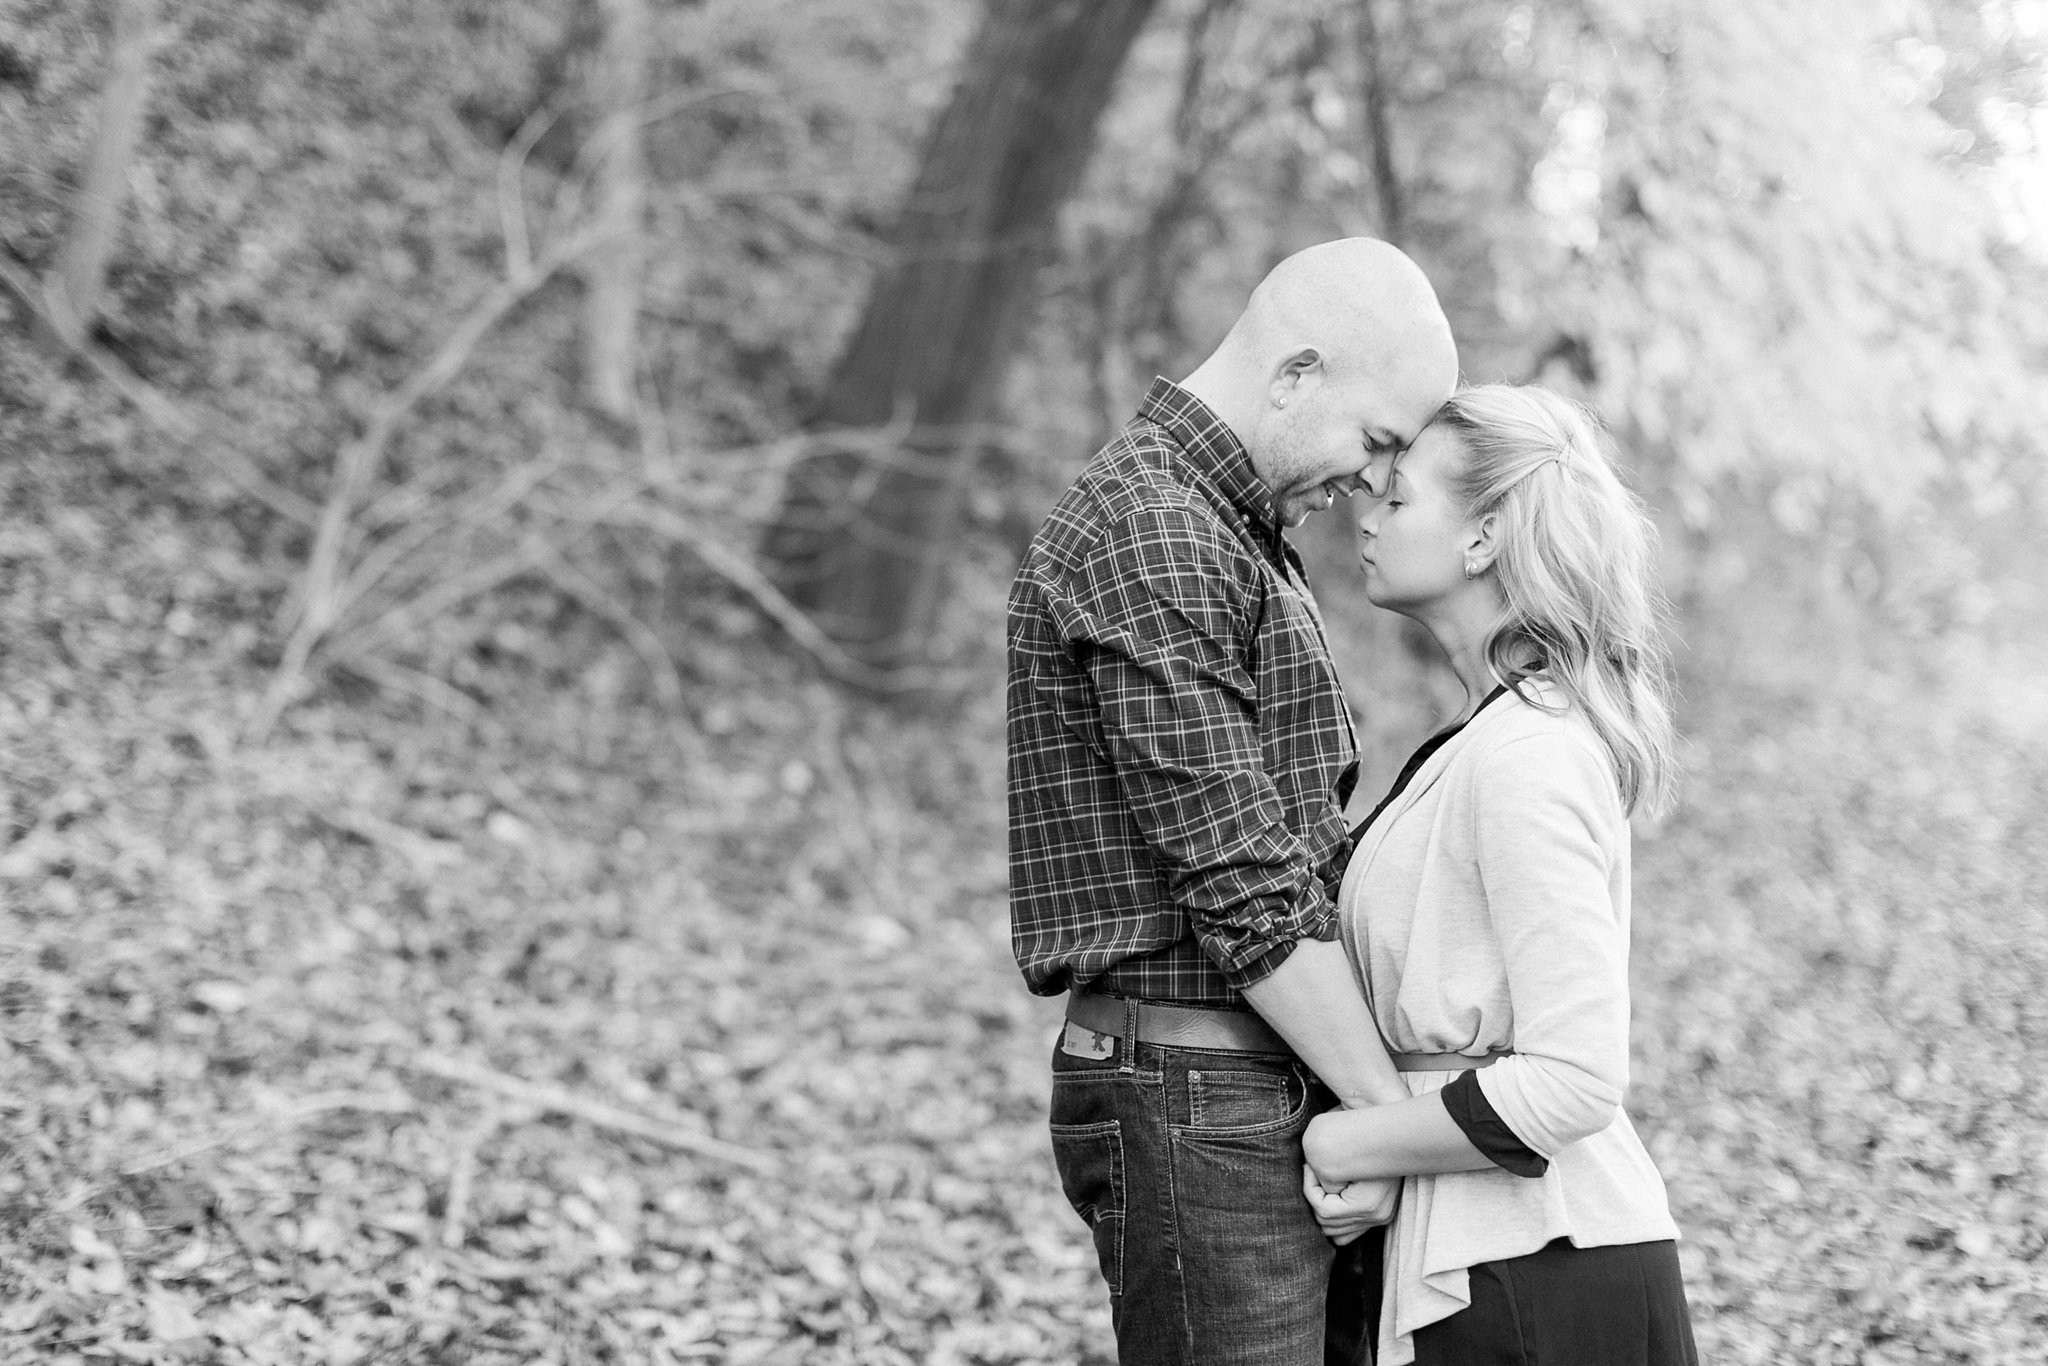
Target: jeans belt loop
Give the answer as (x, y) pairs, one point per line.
(1130, 1038)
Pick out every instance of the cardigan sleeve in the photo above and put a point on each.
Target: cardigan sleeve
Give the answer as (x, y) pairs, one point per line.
(1549, 827)
(1484, 1129)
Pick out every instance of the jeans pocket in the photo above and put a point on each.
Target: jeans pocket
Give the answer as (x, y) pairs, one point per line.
(1225, 1101)
(1090, 1158)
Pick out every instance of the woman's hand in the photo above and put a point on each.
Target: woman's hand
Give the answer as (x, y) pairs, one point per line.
(1345, 1214)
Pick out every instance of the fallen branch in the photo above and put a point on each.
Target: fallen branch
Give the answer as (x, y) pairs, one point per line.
(462, 1182)
(444, 697)
(646, 642)
(312, 1107)
(422, 851)
(596, 1113)
(157, 408)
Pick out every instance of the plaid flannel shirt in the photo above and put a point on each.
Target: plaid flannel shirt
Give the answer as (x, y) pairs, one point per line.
(1180, 754)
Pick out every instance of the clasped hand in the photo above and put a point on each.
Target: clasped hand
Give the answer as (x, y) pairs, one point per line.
(1344, 1212)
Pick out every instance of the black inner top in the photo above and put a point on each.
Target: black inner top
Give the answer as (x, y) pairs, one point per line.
(1418, 758)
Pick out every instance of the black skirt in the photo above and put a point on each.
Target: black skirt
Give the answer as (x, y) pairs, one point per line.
(1586, 1306)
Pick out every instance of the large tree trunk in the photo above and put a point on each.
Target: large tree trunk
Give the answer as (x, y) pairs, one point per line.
(74, 288)
(864, 549)
(611, 299)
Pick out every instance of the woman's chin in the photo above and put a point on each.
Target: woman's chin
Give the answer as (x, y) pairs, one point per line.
(1383, 597)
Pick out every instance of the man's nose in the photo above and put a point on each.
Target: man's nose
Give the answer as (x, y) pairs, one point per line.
(1376, 474)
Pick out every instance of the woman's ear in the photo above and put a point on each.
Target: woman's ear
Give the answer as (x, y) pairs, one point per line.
(1482, 543)
(1294, 367)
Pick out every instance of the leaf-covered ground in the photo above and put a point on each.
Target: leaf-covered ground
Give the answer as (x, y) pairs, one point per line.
(267, 1010)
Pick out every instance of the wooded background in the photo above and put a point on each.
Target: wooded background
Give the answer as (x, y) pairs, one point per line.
(504, 514)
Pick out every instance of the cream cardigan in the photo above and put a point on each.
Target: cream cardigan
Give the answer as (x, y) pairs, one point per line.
(1487, 908)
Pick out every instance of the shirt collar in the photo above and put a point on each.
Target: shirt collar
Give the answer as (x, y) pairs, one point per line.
(1214, 451)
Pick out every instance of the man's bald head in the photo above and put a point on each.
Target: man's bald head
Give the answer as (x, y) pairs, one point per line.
(1360, 301)
(1350, 334)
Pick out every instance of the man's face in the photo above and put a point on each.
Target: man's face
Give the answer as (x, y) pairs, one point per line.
(1320, 438)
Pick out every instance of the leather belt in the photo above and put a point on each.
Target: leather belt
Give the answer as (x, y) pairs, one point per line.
(1445, 1062)
(1231, 1031)
(1216, 1031)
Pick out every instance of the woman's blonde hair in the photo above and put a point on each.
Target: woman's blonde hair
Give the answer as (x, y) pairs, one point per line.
(1574, 560)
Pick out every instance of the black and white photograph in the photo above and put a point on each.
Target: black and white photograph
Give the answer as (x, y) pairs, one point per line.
(1024, 682)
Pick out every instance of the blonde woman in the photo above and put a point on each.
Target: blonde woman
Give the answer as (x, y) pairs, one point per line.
(1486, 909)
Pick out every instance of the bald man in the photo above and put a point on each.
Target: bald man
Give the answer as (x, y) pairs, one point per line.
(1180, 757)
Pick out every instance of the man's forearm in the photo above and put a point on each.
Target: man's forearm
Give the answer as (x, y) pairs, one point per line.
(1313, 1000)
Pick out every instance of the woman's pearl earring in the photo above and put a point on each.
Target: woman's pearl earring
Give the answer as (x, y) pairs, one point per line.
(1471, 570)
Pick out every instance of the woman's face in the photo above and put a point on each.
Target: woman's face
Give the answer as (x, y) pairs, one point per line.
(1416, 540)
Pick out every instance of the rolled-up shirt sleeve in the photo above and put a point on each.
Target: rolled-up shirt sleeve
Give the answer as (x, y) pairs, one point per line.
(1162, 622)
(1550, 833)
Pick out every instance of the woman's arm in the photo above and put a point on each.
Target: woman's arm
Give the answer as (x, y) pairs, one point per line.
(1551, 843)
(1414, 1137)
(1539, 805)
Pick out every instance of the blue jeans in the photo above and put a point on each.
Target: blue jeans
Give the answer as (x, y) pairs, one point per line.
(1186, 1166)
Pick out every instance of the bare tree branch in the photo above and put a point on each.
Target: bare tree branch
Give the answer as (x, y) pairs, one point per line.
(1377, 116)
(512, 189)
(160, 410)
(739, 570)
(75, 286)
(445, 595)
(380, 561)
(315, 605)
(611, 275)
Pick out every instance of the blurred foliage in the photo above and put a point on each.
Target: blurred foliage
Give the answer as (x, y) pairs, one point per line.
(1764, 240)
(586, 821)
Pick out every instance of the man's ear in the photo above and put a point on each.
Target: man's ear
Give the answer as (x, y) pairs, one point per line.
(1294, 367)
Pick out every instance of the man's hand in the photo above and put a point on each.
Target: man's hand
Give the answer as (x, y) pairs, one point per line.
(1344, 1215)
